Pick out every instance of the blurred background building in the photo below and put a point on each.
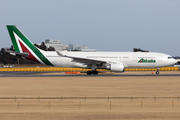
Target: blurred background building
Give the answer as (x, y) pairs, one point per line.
(58, 46)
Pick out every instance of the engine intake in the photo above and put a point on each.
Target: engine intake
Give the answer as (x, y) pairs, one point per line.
(118, 67)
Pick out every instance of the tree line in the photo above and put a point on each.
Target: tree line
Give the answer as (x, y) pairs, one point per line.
(6, 58)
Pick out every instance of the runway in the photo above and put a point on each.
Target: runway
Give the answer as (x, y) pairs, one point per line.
(61, 74)
(94, 94)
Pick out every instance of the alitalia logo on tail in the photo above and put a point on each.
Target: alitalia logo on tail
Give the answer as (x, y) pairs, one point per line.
(22, 44)
(142, 60)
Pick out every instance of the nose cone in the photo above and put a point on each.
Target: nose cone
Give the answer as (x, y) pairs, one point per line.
(170, 62)
(174, 61)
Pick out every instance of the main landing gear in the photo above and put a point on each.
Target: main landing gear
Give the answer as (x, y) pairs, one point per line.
(157, 72)
(94, 72)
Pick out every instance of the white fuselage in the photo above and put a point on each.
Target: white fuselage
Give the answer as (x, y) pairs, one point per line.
(114, 61)
(129, 59)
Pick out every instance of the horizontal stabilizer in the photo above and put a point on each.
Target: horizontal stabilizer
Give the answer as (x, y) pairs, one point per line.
(24, 54)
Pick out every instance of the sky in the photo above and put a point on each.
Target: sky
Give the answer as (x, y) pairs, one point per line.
(104, 25)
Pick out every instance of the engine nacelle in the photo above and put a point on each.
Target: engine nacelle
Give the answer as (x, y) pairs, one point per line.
(117, 67)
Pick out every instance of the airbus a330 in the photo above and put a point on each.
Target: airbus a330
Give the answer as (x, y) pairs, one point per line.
(113, 61)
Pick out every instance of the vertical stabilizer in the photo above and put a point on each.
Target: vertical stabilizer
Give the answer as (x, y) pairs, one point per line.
(23, 45)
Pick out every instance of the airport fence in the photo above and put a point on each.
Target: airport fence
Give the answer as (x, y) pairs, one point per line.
(92, 98)
(56, 69)
(112, 102)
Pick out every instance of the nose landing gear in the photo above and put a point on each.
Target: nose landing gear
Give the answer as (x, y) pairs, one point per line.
(157, 72)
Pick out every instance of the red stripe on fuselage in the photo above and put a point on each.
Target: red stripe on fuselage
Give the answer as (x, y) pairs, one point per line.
(30, 57)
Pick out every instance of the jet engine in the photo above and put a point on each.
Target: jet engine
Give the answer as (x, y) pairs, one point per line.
(116, 67)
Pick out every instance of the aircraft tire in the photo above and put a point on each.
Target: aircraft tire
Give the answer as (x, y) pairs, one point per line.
(89, 72)
(95, 72)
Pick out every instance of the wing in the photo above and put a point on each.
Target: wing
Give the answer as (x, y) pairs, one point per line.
(83, 60)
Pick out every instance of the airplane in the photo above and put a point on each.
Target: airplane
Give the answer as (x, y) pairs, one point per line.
(113, 61)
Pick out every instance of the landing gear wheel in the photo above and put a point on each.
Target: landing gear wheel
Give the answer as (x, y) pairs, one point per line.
(95, 72)
(92, 72)
(157, 72)
(89, 72)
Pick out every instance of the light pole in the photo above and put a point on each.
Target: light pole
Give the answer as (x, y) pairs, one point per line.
(18, 61)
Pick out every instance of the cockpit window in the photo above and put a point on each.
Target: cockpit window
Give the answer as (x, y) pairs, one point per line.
(170, 57)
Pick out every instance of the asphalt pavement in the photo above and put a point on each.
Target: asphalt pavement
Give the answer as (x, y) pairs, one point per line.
(60, 74)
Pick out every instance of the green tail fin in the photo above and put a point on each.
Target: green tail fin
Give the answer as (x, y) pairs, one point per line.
(22, 44)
